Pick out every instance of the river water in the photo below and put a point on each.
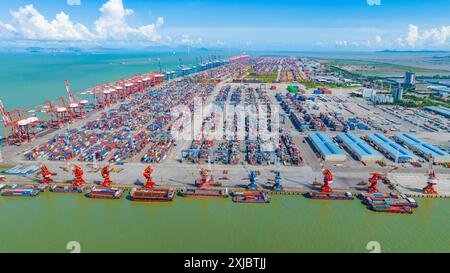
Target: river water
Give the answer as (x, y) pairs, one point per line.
(288, 224)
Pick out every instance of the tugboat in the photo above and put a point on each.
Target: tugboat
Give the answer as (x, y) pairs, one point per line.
(202, 190)
(251, 197)
(105, 191)
(21, 190)
(329, 196)
(148, 193)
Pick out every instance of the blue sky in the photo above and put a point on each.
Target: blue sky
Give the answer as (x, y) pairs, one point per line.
(288, 25)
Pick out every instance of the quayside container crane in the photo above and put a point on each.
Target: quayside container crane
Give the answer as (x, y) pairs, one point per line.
(18, 127)
(76, 106)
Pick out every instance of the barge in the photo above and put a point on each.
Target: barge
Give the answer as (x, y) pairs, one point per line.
(400, 202)
(251, 197)
(391, 209)
(21, 190)
(152, 195)
(67, 188)
(329, 195)
(204, 193)
(377, 196)
(105, 193)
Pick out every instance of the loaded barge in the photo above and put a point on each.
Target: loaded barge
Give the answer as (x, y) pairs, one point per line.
(67, 188)
(391, 209)
(152, 195)
(105, 193)
(251, 197)
(329, 195)
(22, 190)
(204, 193)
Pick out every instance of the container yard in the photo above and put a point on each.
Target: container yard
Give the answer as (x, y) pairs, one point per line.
(128, 125)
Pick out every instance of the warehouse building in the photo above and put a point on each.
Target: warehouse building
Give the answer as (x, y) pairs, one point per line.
(390, 148)
(328, 150)
(443, 111)
(423, 149)
(359, 148)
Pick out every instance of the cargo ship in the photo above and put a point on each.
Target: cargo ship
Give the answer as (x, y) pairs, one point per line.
(21, 190)
(105, 193)
(204, 193)
(251, 197)
(391, 209)
(329, 195)
(152, 195)
(67, 188)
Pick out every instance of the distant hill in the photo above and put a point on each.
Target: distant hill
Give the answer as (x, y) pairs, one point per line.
(413, 51)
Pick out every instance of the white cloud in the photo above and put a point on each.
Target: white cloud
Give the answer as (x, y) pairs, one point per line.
(187, 40)
(342, 43)
(6, 30)
(29, 23)
(374, 2)
(413, 35)
(73, 2)
(432, 37)
(112, 23)
(378, 39)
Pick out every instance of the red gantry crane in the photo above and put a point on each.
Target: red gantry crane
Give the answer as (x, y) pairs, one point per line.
(46, 174)
(148, 172)
(76, 106)
(373, 180)
(18, 128)
(327, 180)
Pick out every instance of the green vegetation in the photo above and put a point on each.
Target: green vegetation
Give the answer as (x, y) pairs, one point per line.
(414, 102)
(328, 85)
(264, 78)
(382, 65)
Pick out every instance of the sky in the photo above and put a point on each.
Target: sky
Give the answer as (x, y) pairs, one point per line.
(363, 25)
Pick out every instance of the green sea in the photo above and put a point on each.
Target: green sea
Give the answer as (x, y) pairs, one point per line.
(289, 224)
(50, 221)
